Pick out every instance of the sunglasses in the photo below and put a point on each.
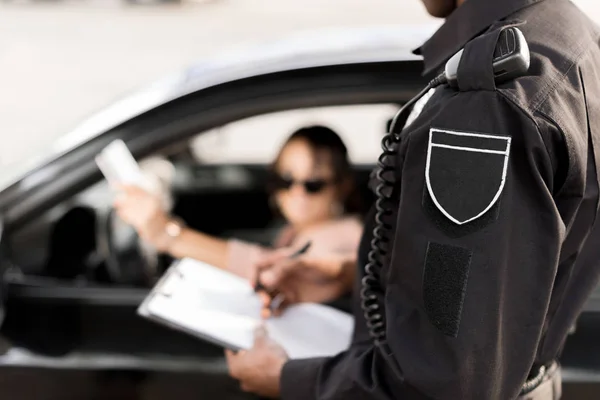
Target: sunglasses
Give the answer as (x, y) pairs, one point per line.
(311, 186)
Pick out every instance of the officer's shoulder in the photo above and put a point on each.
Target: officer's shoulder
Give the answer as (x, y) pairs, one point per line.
(560, 42)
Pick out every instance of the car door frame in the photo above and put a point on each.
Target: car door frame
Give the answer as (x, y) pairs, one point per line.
(180, 119)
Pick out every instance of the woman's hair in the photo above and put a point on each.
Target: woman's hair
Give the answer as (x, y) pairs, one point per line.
(327, 144)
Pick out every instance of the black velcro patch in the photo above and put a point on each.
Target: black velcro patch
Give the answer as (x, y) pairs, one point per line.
(465, 172)
(445, 279)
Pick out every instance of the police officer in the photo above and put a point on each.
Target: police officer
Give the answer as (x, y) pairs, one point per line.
(490, 213)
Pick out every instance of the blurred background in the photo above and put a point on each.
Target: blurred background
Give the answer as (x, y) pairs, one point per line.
(61, 60)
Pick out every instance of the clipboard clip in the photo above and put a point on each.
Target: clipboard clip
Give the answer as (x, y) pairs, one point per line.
(167, 287)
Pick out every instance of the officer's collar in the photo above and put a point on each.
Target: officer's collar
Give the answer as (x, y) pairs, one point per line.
(465, 23)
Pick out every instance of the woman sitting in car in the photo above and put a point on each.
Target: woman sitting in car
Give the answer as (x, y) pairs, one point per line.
(313, 188)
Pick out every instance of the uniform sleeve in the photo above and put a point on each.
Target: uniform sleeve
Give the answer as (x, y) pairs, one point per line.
(357, 374)
(475, 252)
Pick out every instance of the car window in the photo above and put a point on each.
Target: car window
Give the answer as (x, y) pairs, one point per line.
(257, 140)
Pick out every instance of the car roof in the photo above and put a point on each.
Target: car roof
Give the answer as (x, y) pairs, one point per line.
(303, 50)
(315, 48)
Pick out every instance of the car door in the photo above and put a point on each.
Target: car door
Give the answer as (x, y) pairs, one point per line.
(61, 317)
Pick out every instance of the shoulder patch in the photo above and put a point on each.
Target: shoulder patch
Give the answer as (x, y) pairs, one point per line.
(465, 172)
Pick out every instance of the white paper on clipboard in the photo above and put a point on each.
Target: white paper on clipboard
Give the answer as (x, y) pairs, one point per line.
(222, 308)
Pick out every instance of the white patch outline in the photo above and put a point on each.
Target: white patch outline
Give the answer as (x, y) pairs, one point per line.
(479, 135)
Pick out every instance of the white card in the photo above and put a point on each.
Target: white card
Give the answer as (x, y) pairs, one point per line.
(118, 165)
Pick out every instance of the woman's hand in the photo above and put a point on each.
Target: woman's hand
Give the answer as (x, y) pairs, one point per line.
(145, 213)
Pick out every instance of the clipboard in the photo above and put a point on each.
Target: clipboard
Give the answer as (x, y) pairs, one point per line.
(160, 289)
(221, 308)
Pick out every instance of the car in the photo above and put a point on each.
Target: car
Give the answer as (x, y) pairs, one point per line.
(73, 277)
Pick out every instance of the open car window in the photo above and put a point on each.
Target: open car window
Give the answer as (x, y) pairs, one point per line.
(257, 140)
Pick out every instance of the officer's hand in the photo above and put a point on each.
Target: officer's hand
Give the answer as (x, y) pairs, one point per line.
(258, 369)
(274, 265)
(276, 270)
(297, 283)
(277, 265)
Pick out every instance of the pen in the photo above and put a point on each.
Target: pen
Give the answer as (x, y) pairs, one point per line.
(279, 297)
(301, 250)
(259, 286)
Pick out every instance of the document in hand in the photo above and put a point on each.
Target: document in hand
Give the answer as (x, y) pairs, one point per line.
(223, 308)
(118, 166)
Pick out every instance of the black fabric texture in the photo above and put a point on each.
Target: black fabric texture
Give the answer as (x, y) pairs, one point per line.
(464, 183)
(475, 70)
(593, 122)
(445, 279)
(305, 371)
(449, 228)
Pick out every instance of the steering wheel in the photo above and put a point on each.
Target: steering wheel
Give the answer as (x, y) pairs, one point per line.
(128, 259)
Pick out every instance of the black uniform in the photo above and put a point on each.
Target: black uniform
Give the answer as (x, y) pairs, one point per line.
(495, 240)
